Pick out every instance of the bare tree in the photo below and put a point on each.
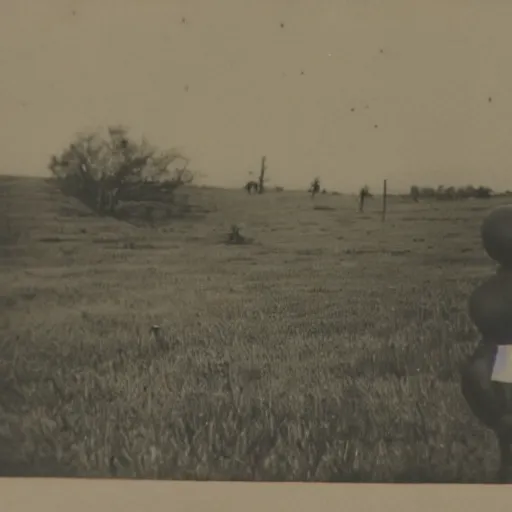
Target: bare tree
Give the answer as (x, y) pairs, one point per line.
(261, 187)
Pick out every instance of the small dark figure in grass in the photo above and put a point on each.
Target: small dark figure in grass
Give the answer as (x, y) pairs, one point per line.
(486, 379)
(251, 186)
(314, 188)
(364, 193)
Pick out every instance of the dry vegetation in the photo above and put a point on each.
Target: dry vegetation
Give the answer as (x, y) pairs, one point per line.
(327, 349)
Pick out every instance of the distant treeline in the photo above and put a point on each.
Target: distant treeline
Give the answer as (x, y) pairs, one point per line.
(451, 193)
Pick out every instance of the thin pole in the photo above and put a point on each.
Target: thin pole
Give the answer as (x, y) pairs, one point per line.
(384, 199)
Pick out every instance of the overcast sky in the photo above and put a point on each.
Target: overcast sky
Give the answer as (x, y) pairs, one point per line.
(429, 82)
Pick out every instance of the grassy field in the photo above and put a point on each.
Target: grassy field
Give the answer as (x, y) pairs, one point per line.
(326, 350)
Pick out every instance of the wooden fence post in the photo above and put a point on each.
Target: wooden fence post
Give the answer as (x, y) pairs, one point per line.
(384, 199)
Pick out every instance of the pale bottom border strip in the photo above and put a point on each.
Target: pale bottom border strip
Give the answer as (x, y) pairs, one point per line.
(54, 495)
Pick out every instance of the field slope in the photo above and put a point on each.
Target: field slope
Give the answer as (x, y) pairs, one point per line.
(328, 349)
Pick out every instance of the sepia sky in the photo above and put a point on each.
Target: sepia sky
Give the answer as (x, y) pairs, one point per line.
(418, 74)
